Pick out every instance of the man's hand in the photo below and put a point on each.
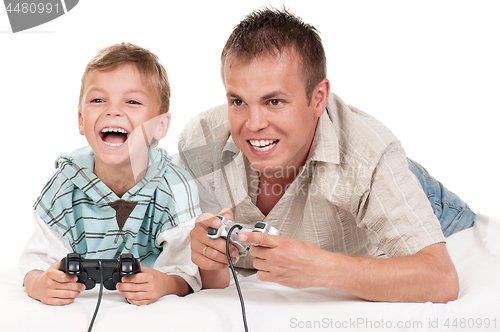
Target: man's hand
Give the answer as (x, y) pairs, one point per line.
(52, 286)
(286, 261)
(149, 285)
(210, 254)
(428, 275)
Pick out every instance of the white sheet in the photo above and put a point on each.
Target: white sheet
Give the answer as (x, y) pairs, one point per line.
(272, 307)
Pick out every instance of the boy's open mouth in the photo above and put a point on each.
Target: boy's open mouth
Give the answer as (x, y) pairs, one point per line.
(113, 136)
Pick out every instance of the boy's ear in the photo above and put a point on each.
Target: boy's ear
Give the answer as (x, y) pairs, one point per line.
(162, 127)
(80, 123)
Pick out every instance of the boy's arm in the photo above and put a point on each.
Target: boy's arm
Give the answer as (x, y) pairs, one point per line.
(39, 265)
(172, 273)
(52, 286)
(44, 247)
(149, 285)
(175, 258)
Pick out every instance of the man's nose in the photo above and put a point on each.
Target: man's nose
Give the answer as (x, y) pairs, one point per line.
(256, 119)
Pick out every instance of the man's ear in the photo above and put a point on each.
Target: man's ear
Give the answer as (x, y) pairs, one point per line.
(162, 127)
(80, 123)
(320, 97)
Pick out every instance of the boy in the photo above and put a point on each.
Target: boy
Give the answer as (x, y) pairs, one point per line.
(117, 195)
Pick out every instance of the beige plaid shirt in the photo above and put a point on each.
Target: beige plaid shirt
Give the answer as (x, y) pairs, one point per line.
(355, 195)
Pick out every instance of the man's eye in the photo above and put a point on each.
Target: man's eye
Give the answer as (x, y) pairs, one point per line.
(97, 100)
(275, 102)
(237, 102)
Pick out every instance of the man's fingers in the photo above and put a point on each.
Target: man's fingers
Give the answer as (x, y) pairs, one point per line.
(208, 253)
(260, 239)
(200, 241)
(227, 213)
(214, 249)
(208, 220)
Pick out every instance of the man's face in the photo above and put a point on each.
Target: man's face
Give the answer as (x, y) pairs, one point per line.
(119, 115)
(270, 117)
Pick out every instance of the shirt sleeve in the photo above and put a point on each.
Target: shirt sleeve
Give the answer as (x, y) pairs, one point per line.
(395, 210)
(45, 247)
(175, 259)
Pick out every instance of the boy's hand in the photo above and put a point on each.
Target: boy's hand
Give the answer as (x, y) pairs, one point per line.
(52, 287)
(149, 285)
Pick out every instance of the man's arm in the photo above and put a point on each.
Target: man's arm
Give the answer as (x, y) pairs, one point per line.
(210, 254)
(428, 275)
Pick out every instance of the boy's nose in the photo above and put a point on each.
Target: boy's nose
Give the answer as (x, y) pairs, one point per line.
(114, 110)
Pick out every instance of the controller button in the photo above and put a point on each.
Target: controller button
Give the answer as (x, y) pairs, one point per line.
(89, 284)
(260, 225)
(212, 231)
(127, 268)
(73, 267)
(109, 284)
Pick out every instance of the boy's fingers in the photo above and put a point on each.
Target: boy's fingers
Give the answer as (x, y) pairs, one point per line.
(65, 294)
(57, 275)
(62, 277)
(139, 302)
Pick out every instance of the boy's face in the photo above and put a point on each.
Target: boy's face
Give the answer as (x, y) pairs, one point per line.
(119, 115)
(270, 117)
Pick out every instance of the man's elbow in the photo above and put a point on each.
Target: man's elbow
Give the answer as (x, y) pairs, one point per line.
(443, 277)
(447, 287)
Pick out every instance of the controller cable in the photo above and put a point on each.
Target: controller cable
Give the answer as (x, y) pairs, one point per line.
(235, 277)
(99, 298)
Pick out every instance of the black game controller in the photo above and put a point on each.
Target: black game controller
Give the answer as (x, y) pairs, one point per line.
(89, 273)
(242, 247)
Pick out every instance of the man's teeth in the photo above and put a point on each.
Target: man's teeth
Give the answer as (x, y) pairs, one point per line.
(263, 145)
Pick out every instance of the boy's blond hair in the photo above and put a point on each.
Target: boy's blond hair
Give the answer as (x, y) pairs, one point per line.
(147, 63)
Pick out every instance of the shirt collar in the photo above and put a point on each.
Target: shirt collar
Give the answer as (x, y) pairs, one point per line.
(230, 146)
(325, 144)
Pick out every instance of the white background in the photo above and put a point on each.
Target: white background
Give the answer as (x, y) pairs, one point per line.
(429, 70)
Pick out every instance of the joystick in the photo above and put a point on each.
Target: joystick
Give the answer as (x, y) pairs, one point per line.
(88, 270)
(242, 247)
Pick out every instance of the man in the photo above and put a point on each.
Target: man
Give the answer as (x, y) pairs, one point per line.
(331, 178)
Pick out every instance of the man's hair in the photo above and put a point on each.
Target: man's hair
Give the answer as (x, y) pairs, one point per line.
(147, 63)
(270, 30)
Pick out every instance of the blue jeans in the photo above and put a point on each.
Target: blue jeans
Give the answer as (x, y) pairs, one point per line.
(453, 213)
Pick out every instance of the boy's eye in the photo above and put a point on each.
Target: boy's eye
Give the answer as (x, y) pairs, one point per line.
(97, 100)
(134, 102)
